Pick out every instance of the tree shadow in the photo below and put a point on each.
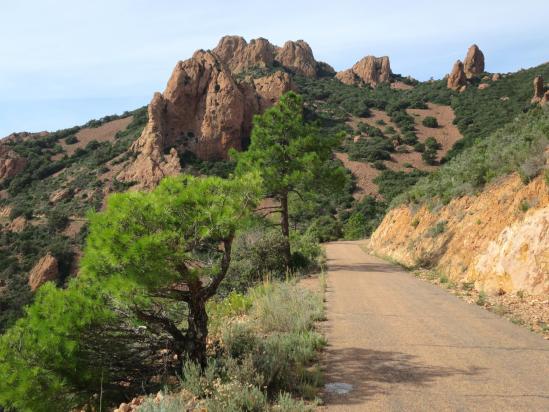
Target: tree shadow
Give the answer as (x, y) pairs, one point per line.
(364, 267)
(371, 372)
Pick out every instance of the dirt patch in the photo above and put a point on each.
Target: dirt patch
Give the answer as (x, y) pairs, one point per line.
(447, 134)
(103, 133)
(364, 174)
(372, 120)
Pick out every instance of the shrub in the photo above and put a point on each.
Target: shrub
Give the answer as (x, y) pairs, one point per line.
(57, 221)
(371, 149)
(429, 156)
(430, 121)
(257, 253)
(71, 140)
(432, 144)
(419, 147)
(437, 229)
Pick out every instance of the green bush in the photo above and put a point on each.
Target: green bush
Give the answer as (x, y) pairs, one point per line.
(430, 121)
(371, 149)
(71, 140)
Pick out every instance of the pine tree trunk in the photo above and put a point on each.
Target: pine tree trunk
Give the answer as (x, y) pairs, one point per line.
(285, 225)
(197, 331)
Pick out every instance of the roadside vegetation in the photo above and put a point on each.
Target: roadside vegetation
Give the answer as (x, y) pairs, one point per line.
(157, 287)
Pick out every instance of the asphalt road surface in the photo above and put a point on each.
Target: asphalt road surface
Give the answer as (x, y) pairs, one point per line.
(397, 343)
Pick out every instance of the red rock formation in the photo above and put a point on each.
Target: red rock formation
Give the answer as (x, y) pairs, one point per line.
(298, 57)
(457, 78)
(45, 270)
(473, 64)
(204, 109)
(239, 55)
(270, 88)
(10, 163)
(369, 70)
(539, 89)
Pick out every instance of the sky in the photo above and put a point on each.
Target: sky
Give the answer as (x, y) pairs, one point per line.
(64, 62)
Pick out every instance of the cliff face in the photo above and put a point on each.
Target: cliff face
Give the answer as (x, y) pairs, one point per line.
(498, 239)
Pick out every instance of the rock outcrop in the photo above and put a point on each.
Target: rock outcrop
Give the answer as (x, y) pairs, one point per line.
(45, 270)
(17, 225)
(298, 57)
(473, 65)
(10, 163)
(239, 55)
(509, 250)
(457, 78)
(541, 95)
(206, 109)
(370, 70)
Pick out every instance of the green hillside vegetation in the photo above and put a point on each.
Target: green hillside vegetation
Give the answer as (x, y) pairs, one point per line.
(516, 147)
(29, 197)
(154, 269)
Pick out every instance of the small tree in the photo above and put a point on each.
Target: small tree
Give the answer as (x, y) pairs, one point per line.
(173, 244)
(151, 262)
(291, 158)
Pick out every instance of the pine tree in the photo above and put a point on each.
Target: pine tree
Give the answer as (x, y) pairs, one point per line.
(291, 157)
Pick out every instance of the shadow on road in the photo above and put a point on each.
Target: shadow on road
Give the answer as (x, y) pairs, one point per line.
(372, 372)
(366, 267)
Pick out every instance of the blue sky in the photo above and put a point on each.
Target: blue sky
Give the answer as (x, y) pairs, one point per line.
(63, 62)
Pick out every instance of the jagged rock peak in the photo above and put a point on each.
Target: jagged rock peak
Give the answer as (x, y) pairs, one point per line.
(239, 55)
(369, 70)
(295, 56)
(457, 78)
(298, 57)
(205, 109)
(473, 64)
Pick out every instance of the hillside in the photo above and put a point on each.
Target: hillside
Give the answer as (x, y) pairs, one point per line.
(49, 181)
(482, 218)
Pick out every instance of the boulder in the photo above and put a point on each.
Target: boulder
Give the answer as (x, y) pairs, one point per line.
(473, 64)
(483, 86)
(17, 225)
(369, 70)
(59, 195)
(457, 79)
(45, 270)
(496, 77)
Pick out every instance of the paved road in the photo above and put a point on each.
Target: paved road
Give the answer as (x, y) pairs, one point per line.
(406, 345)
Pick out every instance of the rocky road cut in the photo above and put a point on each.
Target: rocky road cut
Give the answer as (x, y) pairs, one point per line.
(397, 343)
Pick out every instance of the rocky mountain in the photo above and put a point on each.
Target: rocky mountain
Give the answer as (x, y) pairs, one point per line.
(210, 99)
(48, 181)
